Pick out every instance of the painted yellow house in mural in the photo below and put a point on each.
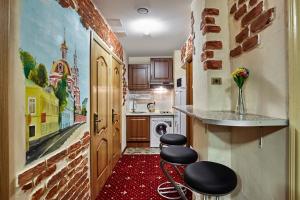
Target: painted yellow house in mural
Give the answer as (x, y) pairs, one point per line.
(42, 112)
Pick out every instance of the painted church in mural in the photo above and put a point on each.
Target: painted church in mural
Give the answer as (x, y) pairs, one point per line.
(54, 53)
(53, 103)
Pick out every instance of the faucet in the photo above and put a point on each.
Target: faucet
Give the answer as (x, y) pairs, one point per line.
(133, 106)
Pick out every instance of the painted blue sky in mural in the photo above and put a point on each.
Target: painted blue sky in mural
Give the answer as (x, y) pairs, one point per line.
(43, 40)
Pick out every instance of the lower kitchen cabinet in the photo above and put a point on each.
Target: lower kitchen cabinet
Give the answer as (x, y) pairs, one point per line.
(137, 130)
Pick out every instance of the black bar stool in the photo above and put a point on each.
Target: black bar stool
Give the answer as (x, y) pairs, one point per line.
(176, 156)
(210, 179)
(172, 139)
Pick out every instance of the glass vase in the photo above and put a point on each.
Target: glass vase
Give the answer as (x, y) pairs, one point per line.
(240, 108)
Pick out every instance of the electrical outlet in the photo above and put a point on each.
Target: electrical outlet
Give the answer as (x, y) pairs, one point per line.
(216, 81)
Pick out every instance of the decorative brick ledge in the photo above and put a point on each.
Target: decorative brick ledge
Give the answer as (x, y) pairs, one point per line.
(212, 64)
(208, 26)
(187, 49)
(62, 176)
(208, 21)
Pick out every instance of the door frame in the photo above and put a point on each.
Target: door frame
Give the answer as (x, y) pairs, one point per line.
(121, 104)
(189, 98)
(5, 20)
(94, 35)
(294, 97)
(112, 55)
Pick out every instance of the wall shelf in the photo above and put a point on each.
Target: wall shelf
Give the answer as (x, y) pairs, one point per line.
(230, 118)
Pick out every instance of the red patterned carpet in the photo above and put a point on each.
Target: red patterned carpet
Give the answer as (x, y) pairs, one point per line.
(135, 177)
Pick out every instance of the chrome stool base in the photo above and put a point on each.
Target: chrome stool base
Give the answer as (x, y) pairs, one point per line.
(168, 191)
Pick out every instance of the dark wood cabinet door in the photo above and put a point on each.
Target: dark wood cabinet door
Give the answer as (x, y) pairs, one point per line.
(161, 70)
(137, 130)
(138, 77)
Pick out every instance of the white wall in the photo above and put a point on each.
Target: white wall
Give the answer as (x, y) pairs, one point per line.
(263, 172)
(216, 140)
(200, 79)
(139, 60)
(123, 139)
(143, 60)
(178, 71)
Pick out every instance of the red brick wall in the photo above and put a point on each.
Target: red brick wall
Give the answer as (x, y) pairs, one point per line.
(254, 17)
(208, 25)
(65, 175)
(91, 18)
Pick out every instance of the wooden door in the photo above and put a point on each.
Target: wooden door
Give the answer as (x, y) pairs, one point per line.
(189, 101)
(101, 140)
(116, 111)
(161, 70)
(138, 77)
(138, 131)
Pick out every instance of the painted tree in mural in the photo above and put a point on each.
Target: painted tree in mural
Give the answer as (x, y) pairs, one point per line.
(42, 75)
(37, 74)
(28, 62)
(62, 94)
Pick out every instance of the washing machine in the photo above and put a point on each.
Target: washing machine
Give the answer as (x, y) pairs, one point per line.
(159, 126)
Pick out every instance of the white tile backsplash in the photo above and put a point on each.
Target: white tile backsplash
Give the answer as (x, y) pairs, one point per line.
(163, 98)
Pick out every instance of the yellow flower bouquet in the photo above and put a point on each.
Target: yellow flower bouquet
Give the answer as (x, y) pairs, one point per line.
(240, 75)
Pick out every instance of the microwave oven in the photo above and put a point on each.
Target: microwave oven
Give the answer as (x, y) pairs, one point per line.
(180, 82)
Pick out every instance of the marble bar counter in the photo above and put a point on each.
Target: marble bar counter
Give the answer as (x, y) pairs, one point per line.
(230, 118)
(157, 113)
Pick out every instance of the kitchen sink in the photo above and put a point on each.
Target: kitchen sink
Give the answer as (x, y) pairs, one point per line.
(139, 112)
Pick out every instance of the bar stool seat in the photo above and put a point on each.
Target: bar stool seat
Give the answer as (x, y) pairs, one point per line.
(173, 139)
(179, 155)
(210, 178)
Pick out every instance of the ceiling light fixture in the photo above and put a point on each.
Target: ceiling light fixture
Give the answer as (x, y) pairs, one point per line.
(143, 11)
(148, 26)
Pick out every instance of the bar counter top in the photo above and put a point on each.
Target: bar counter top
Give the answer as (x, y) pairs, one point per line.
(230, 118)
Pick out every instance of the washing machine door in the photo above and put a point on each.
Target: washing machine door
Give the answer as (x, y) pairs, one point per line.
(161, 129)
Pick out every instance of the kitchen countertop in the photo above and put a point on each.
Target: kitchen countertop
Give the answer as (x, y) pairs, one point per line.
(230, 118)
(156, 113)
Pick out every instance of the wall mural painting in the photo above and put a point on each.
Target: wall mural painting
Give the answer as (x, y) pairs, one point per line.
(54, 52)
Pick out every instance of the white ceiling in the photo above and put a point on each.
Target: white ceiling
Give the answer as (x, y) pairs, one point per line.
(174, 15)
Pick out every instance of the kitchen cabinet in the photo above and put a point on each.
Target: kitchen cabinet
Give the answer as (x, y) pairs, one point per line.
(138, 77)
(138, 131)
(161, 71)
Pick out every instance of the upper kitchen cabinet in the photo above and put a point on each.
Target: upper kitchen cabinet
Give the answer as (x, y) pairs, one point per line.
(138, 77)
(161, 71)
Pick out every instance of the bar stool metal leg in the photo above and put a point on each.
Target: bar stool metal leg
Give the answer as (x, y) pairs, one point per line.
(177, 171)
(177, 186)
(160, 146)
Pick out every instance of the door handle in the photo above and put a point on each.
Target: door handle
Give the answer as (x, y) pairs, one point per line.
(96, 121)
(113, 116)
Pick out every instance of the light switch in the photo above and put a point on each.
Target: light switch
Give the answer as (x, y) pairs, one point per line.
(216, 81)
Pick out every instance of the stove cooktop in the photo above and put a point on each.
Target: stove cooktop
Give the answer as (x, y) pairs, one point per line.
(165, 112)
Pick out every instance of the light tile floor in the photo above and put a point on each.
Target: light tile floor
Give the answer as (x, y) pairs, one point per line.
(140, 150)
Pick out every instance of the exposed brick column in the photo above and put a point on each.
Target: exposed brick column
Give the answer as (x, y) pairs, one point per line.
(208, 26)
(91, 18)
